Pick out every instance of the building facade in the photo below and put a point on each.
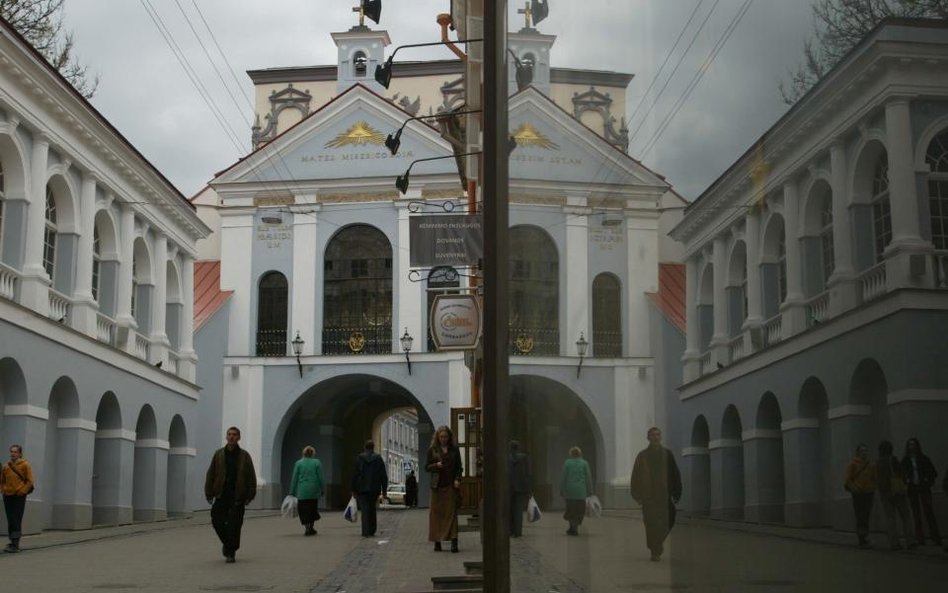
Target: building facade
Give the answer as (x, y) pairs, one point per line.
(97, 365)
(816, 290)
(314, 242)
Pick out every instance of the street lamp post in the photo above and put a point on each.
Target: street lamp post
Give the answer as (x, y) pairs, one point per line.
(298, 350)
(581, 346)
(407, 341)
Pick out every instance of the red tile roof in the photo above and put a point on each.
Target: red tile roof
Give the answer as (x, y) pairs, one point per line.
(208, 296)
(670, 298)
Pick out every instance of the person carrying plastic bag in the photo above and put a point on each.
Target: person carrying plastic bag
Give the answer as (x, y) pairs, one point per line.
(576, 485)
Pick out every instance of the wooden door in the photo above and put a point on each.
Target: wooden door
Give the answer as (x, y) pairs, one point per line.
(466, 426)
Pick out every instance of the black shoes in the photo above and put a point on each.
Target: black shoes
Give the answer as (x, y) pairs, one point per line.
(309, 529)
(454, 546)
(437, 547)
(230, 560)
(11, 548)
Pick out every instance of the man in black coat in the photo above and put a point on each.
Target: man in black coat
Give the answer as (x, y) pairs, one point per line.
(411, 490)
(656, 485)
(368, 484)
(518, 467)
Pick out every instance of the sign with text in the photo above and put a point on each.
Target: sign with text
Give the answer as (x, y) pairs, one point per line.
(445, 240)
(455, 321)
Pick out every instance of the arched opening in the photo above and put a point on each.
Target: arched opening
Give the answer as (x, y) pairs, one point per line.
(3, 196)
(548, 418)
(441, 280)
(766, 451)
(699, 470)
(773, 267)
(706, 307)
(360, 63)
(730, 467)
(607, 316)
(813, 475)
(533, 292)
(60, 242)
(150, 469)
(736, 289)
(871, 209)
(272, 314)
(13, 210)
(108, 507)
(105, 264)
(174, 306)
(936, 157)
(58, 488)
(179, 458)
(142, 287)
(817, 241)
(336, 417)
(12, 393)
(357, 303)
(868, 388)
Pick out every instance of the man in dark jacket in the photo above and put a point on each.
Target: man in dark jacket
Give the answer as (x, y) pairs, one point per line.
(368, 484)
(518, 467)
(656, 485)
(230, 484)
(411, 490)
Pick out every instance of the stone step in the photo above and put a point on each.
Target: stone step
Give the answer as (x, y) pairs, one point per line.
(465, 582)
(468, 528)
(474, 567)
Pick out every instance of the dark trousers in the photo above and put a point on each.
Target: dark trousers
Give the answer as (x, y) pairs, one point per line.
(518, 502)
(14, 505)
(921, 501)
(659, 518)
(862, 506)
(227, 517)
(367, 508)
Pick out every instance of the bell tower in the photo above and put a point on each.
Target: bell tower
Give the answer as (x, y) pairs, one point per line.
(532, 49)
(360, 50)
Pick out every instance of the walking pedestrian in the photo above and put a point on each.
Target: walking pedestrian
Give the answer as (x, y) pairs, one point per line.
(575, 485)
(444, 464)
(230, 484)
(16, 482)
(411, 490)
(920, 475)
(518, 467)
(861, 484)
(656, 485)
(893, 495)
(307, 486)
(369, 484)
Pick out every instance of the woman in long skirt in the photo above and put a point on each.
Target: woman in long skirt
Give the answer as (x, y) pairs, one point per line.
(307, 486)
(444, 464)
(575, 485)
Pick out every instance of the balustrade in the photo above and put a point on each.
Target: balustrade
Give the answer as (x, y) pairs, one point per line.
(59, 306)
(817, 309)
(872, 282)
(8, 280)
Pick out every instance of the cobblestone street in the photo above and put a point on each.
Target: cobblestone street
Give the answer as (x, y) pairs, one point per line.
(609, 556)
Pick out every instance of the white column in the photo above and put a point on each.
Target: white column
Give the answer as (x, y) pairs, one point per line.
(577, 282)
(237, 240)
(641, 235)
(719, 338)
(125, 323)
(752, 241)
(793, 308)
(304, 281)
(409, 303)
(903, 195)
(691, 358)
(841, 283)
(34, 282)
(84, 307)
(159, 336)
(187, 359)
(907, 244)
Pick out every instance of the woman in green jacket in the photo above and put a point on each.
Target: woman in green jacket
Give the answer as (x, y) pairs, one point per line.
(575, 485)
(307, 486)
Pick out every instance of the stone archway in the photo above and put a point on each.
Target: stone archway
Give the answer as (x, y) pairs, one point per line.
(59, 484)
(149, 482)
(336, 416)
(807, 442)
(763, 449)
(179, 461)
(548, 418)
(727, 465)
(698, 468)
(111, 465)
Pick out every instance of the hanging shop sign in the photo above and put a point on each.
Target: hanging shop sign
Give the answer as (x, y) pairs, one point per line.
(455, 321)
(445, 240)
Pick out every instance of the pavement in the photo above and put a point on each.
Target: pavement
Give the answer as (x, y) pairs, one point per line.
(608, 556)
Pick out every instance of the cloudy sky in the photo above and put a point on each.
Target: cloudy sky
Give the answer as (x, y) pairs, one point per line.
(147, 95)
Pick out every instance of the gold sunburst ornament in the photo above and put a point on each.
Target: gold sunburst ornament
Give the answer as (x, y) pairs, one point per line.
(527, 135)
(360, 134)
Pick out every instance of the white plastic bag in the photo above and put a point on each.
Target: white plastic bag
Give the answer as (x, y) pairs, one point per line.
(351, 513)
(593, 506)
(533, 511)
(288, 510)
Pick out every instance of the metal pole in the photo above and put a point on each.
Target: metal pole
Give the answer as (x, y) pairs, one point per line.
(495, 387)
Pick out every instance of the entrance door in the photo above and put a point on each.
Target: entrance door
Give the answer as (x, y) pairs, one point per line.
(466, 426)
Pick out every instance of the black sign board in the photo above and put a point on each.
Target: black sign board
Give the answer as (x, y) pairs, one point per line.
(445, 240)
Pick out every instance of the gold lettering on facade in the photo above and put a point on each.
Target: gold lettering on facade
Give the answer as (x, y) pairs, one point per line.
(273, 201)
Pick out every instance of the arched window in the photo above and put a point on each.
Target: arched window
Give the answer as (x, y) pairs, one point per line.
(534, 292)
(272, 315)
(360, 62)
(96, 262)
(607, 316)
(134, 286)
(49, 238)
(782, 264)
(881, 213)
(826, 237)
(441, 280)
(357, 303)
(937, 160)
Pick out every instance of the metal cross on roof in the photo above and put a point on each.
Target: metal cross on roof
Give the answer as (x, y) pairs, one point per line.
(527, 14)
(361, 10)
